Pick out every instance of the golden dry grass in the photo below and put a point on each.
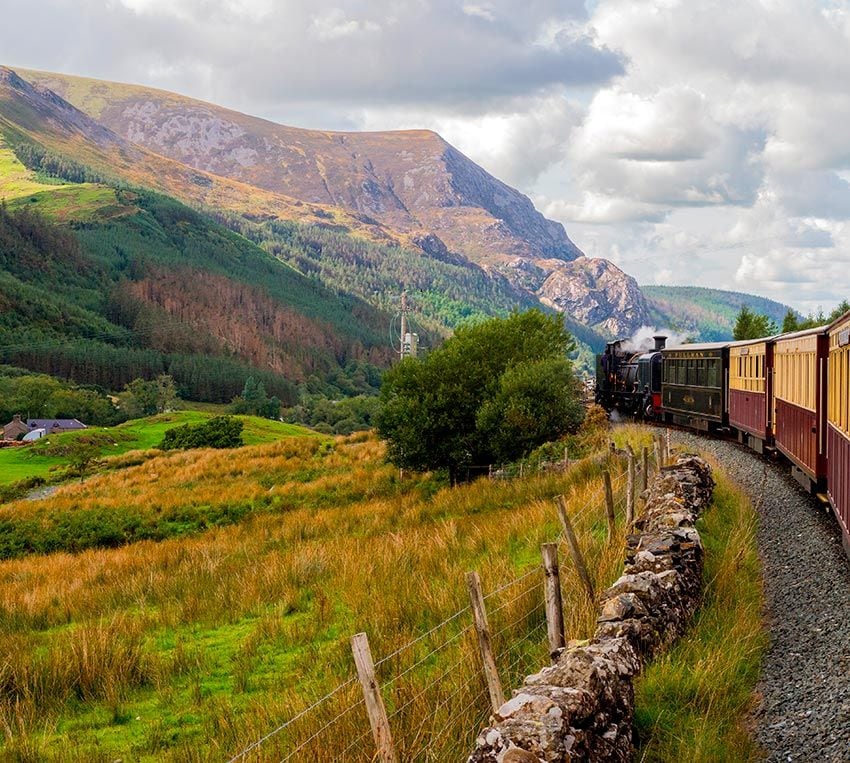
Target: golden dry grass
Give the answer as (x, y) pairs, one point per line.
(190, 649)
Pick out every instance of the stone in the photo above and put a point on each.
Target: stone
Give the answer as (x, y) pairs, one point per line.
(581, 707)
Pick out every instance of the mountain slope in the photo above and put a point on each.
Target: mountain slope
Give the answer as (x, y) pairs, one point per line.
(708, 314)
(407, 187)
(34, 114)
(136, 284)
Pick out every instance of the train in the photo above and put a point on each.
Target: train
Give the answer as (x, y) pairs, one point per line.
(786, 395)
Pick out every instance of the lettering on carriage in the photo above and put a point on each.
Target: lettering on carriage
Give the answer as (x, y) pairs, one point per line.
(688, 399)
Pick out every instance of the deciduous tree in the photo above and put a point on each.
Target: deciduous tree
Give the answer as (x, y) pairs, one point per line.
(445, 411)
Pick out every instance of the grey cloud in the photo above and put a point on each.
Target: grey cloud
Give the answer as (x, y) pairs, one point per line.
(815, 194)
(368, 52)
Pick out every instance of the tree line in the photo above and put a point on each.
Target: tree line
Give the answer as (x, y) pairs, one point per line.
(752, 325)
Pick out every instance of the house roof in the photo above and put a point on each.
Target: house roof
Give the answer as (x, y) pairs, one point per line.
(49, 424)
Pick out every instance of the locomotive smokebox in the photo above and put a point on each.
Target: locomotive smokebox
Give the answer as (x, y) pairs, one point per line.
(660, 342)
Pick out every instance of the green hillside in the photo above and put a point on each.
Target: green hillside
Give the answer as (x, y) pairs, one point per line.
(53, 452)
(101, 285)
(707, 314)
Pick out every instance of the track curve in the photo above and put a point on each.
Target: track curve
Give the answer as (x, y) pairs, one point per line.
(804, 713)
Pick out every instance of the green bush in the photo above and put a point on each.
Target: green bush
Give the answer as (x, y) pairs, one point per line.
(218, 432)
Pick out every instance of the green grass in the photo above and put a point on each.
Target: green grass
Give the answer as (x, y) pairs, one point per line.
(62, 202)
(692, 703)
(83, 202)
(15, 179)
(22, 463)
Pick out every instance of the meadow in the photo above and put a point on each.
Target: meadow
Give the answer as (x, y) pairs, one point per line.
(51, 453)
(193, 647)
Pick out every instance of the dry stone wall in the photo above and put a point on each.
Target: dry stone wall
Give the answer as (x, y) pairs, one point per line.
(581, 708)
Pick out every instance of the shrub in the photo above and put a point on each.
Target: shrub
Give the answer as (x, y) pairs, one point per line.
(218, 432)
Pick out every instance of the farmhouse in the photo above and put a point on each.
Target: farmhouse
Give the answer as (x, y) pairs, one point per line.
(15, 428)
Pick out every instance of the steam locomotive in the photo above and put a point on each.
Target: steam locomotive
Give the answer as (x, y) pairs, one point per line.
(630, 382)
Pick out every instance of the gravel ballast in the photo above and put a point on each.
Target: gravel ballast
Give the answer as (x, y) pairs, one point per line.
(804, 714)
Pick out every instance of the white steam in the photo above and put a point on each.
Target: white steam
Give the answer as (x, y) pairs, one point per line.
(642, 340)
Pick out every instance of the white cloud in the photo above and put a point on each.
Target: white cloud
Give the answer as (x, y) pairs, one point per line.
(334, 24)
(481, 10)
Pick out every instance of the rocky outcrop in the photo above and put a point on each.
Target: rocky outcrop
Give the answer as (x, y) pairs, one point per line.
(597, 293)
(581, 708)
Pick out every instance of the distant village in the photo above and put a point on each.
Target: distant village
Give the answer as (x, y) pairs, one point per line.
(18, 431)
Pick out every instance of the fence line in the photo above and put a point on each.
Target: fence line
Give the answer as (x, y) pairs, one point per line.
(522, 613)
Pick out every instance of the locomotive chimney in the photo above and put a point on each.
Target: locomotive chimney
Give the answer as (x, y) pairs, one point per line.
(660, 342)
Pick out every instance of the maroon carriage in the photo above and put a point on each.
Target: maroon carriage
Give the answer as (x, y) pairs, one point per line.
(750, 394)
(838, 424)
(800, 401)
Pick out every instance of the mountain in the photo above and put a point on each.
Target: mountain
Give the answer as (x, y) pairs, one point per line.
(406, 188)
(707, 314)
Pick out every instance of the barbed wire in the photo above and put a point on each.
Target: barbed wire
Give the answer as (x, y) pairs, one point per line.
(292, 720)
(422, 637)
(430, 654)
(590, 504)
(324, 728)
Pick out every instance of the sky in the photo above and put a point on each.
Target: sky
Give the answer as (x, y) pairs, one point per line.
(691, 142)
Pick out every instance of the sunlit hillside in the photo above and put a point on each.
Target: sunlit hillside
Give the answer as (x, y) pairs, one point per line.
(192, 647)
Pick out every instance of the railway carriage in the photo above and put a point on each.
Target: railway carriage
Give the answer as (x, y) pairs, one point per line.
(692, 386)
(838, 424)
(800, 398)
(750, 397)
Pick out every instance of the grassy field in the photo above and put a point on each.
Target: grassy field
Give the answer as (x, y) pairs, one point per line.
(39, 459)
(191, 648)
(15, 179)
(62, 202)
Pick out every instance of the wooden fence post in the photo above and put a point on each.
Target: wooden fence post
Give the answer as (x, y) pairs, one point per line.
(482, 628)
(630, 490)
(656, 446)
(644, 468)
(609, 503)
(575, 551)
(374, 701)
(667, 450)
(554, 603)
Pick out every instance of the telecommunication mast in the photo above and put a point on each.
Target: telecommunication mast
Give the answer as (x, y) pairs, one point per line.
(409, 340)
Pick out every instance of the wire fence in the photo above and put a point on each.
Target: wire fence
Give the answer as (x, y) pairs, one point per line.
(433, 687)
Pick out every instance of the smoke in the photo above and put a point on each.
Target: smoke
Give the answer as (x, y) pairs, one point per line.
(642, 340)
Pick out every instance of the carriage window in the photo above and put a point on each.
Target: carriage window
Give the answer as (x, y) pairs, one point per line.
(714, 372)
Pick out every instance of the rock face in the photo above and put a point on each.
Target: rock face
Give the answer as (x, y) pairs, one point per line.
(581, 708)
(409, 182)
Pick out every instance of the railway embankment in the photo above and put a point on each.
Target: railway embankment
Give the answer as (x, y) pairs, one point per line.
(803, 712)
(581, 708)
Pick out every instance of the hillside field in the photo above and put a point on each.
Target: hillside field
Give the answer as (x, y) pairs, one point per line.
(196, 646)
(40, 458)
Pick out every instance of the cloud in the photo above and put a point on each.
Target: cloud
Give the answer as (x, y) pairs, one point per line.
(325, 52)
(334, 24)
(517, 142)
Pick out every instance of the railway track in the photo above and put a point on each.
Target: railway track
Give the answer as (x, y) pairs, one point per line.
(804, 708)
